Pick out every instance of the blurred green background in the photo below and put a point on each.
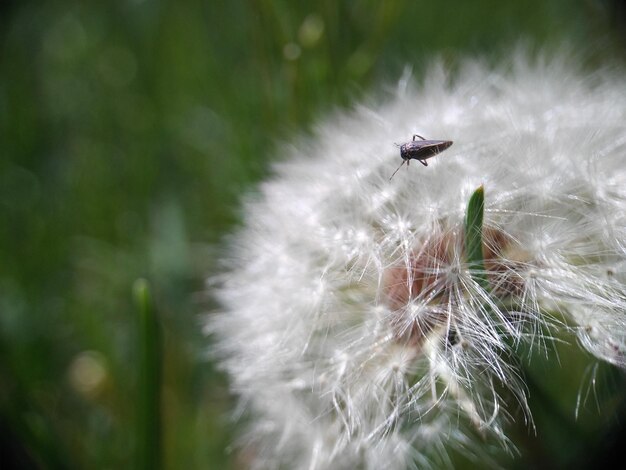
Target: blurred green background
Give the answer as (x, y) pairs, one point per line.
(128, 132)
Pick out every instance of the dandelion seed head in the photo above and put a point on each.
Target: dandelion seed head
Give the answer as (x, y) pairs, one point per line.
(353, 328)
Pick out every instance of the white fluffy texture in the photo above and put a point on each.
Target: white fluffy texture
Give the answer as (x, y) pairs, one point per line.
(306, 332)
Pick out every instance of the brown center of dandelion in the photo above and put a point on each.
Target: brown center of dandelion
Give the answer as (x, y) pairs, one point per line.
(423, 292)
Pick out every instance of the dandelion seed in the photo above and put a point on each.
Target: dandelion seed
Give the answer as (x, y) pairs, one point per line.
(355, 330)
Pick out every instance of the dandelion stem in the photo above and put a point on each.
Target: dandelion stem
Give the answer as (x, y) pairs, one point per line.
(474, 237)
(149, 386)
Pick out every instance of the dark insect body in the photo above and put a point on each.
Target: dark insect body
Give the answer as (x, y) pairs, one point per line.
(421, 150)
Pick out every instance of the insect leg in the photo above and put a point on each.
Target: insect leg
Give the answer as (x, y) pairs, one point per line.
(417, 135)
(423, 162)
(403, 162)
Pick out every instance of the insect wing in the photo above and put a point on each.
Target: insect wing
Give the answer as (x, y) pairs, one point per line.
(424, 149)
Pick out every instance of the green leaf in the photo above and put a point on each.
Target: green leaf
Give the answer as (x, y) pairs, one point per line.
(474, 237)
(148, 400)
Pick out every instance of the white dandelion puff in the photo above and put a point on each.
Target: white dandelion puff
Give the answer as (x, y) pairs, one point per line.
(353, 327)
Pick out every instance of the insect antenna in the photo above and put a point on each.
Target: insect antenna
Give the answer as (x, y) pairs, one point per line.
(403, 162)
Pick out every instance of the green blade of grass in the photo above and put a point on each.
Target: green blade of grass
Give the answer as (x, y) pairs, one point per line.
(474, 237)
(149, 386)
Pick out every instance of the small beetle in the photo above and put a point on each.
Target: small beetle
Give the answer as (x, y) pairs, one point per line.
(421, 150)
